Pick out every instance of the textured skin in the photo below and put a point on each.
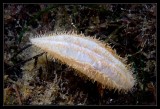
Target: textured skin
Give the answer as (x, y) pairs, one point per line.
(90, 57)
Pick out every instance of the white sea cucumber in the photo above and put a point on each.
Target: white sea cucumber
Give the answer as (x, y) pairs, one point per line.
(90, 56)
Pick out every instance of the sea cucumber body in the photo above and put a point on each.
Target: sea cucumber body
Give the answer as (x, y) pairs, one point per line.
(90, 57)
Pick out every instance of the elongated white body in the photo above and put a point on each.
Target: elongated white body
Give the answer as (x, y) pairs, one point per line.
(90, 57)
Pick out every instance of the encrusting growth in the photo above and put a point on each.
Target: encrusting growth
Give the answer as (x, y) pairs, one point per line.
(89, 56)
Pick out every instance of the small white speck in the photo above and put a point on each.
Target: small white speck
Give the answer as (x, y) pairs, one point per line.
(111, 100)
